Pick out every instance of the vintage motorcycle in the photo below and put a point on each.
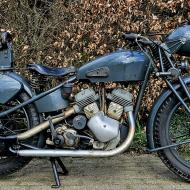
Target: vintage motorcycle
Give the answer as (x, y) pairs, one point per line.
(98, 120)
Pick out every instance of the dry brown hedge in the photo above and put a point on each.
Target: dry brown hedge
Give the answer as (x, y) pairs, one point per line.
(66, 32)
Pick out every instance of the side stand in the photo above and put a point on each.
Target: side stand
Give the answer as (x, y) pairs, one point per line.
(55, 171)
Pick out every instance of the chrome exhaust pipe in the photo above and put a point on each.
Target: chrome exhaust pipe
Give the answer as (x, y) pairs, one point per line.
(83, 153)
(44, 125)
(39, 128)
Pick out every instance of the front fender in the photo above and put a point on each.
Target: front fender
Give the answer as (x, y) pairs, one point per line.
(10, 85)
(155, 108)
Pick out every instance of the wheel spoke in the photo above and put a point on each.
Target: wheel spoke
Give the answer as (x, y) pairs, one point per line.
(16, 122)
(15, 119)
(179, 131)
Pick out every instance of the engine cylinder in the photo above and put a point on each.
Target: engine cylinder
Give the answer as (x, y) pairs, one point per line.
(121, 102)
(122, 97)
(86, 97)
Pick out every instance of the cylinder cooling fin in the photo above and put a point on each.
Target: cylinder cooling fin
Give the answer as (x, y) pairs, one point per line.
(86, 97)
(123, 98)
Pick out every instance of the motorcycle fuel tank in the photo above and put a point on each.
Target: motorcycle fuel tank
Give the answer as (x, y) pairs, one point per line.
(123, 65)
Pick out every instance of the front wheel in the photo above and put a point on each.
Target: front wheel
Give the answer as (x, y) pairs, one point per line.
(172, 125)
(17, 122)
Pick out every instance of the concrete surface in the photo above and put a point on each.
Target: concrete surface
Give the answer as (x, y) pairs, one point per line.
(130, 172)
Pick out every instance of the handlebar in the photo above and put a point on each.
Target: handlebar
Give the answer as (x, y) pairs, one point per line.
(130, 36)
(134, 36)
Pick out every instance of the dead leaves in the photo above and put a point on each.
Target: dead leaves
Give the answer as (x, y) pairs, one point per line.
(78, 31)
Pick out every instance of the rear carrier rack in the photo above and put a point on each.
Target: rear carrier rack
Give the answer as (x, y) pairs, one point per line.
(6, 51)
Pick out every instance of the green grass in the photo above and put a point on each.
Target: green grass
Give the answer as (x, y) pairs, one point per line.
(180, 130)
(139, 142)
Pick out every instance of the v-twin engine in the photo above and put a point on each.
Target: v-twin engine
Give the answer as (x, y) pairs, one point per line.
(104, 126)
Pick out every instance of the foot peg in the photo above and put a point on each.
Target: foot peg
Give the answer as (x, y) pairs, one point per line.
(56, 174)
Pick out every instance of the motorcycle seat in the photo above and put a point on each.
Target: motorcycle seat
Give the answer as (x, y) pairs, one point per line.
(50, 71)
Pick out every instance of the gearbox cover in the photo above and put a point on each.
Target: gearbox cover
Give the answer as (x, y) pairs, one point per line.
(104, 128)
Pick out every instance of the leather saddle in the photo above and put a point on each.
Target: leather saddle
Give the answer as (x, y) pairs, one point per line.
(51, 71)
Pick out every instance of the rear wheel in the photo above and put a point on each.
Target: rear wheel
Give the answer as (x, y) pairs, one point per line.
(173, 126)
(17, 122)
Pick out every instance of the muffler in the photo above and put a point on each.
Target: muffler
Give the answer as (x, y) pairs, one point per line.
(82, 153)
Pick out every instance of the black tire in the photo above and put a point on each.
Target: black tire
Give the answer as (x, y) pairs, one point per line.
(166, 125)
(9, 165)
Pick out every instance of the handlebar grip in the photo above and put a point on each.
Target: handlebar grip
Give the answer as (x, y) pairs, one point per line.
(130, 36)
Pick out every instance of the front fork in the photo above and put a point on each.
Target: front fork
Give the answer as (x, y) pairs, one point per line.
(185, 89)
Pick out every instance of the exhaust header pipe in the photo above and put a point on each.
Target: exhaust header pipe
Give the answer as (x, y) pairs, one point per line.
(81, 153)
(44, 125)
(39, 128)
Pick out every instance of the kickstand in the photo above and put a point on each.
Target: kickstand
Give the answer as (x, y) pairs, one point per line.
(56, 173)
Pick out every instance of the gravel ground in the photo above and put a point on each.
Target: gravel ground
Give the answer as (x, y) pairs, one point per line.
(130, 172)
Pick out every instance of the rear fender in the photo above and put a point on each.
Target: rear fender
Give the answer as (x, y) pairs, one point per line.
(11, 84)
(155, 108)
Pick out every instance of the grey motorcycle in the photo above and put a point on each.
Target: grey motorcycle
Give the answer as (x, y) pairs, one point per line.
(86, 116)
